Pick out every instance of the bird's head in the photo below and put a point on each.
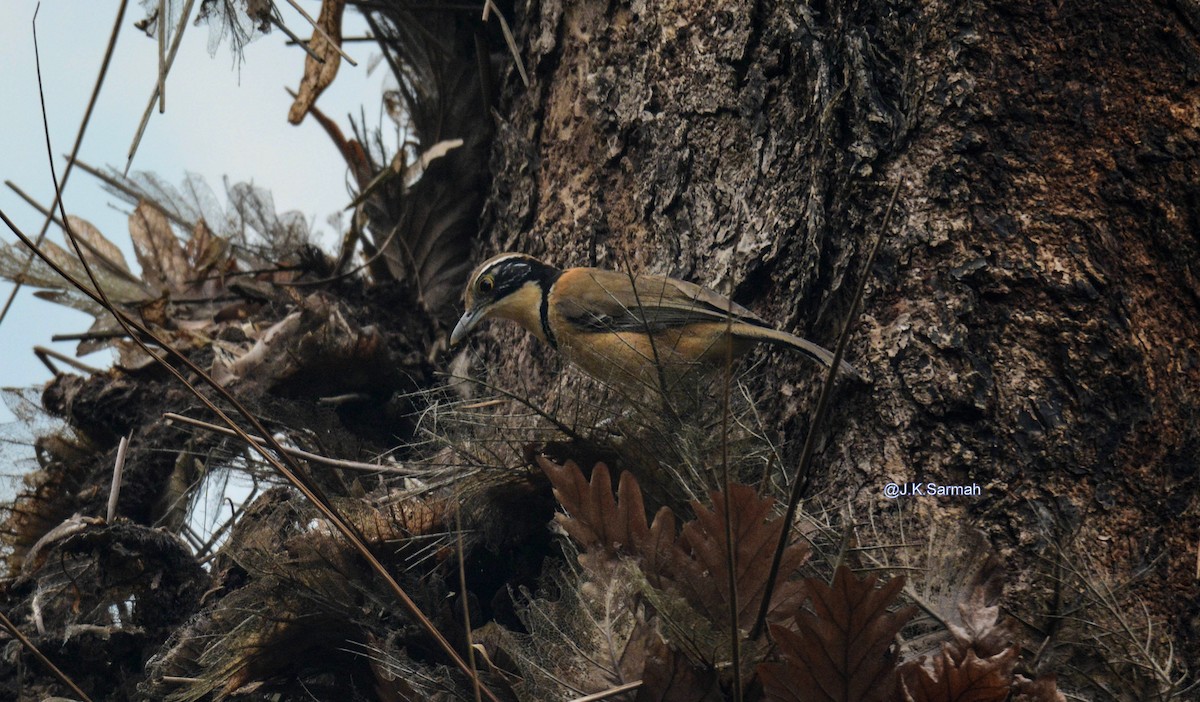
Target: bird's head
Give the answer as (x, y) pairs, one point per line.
(508, 286)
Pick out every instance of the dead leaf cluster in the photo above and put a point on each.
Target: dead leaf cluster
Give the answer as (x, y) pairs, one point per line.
(836, 640)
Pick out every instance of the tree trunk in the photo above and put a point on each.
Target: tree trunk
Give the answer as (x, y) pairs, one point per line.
(1032, 322)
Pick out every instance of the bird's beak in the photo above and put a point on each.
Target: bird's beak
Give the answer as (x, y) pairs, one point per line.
(469, 319)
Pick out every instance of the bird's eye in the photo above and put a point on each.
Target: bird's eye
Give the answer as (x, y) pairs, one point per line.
(486, 284)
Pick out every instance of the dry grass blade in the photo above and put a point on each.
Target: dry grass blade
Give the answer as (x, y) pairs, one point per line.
(29, 200)
(462, 590)
(114, 493)
(488, 6)
(842, 649)
(731, 553)
(524, 401)
(162, 57)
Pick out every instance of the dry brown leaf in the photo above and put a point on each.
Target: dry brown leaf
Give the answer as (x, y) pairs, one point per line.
(319, 74)
(64, 259)
(658, 551)
(841, 650)
(115, 285)
(696, 563)
(982, 630)
(154, 312)
(205, 250)
(961, 578)
(98, 249)
(131, 357)
(493, 646)
(703, 565)
(164, 263)
(973, 679)
(670, 677)
(594, 517)
(609, 527)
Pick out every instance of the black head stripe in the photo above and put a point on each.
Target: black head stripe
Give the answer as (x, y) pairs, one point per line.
(545, 313)
(511, 273)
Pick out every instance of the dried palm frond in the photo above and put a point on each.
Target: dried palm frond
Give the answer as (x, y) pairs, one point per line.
(424, 226)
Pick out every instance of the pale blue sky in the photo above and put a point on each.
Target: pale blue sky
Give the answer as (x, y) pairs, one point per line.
(219, 122)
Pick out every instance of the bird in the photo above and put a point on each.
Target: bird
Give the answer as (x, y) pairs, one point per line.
(631, 330)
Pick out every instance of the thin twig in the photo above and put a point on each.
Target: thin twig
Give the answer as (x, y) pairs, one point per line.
(83, 125)
(569, 432)
(297, 453)
(205, 553)
(91, 336)
(175, 42)
(610, 692)
(42, 352)
(735, 638)
(462, 589)
(320, 30)
(118, 470)
(273, 18)
(12, 628)
(800, 483)
(35, 204)
(162, 56)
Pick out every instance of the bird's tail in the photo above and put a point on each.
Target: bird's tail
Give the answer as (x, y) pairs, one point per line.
(780, 338)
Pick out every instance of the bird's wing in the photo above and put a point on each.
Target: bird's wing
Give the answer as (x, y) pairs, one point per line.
(610, 301)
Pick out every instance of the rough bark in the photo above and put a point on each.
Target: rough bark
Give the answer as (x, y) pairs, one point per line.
(1032, 323)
